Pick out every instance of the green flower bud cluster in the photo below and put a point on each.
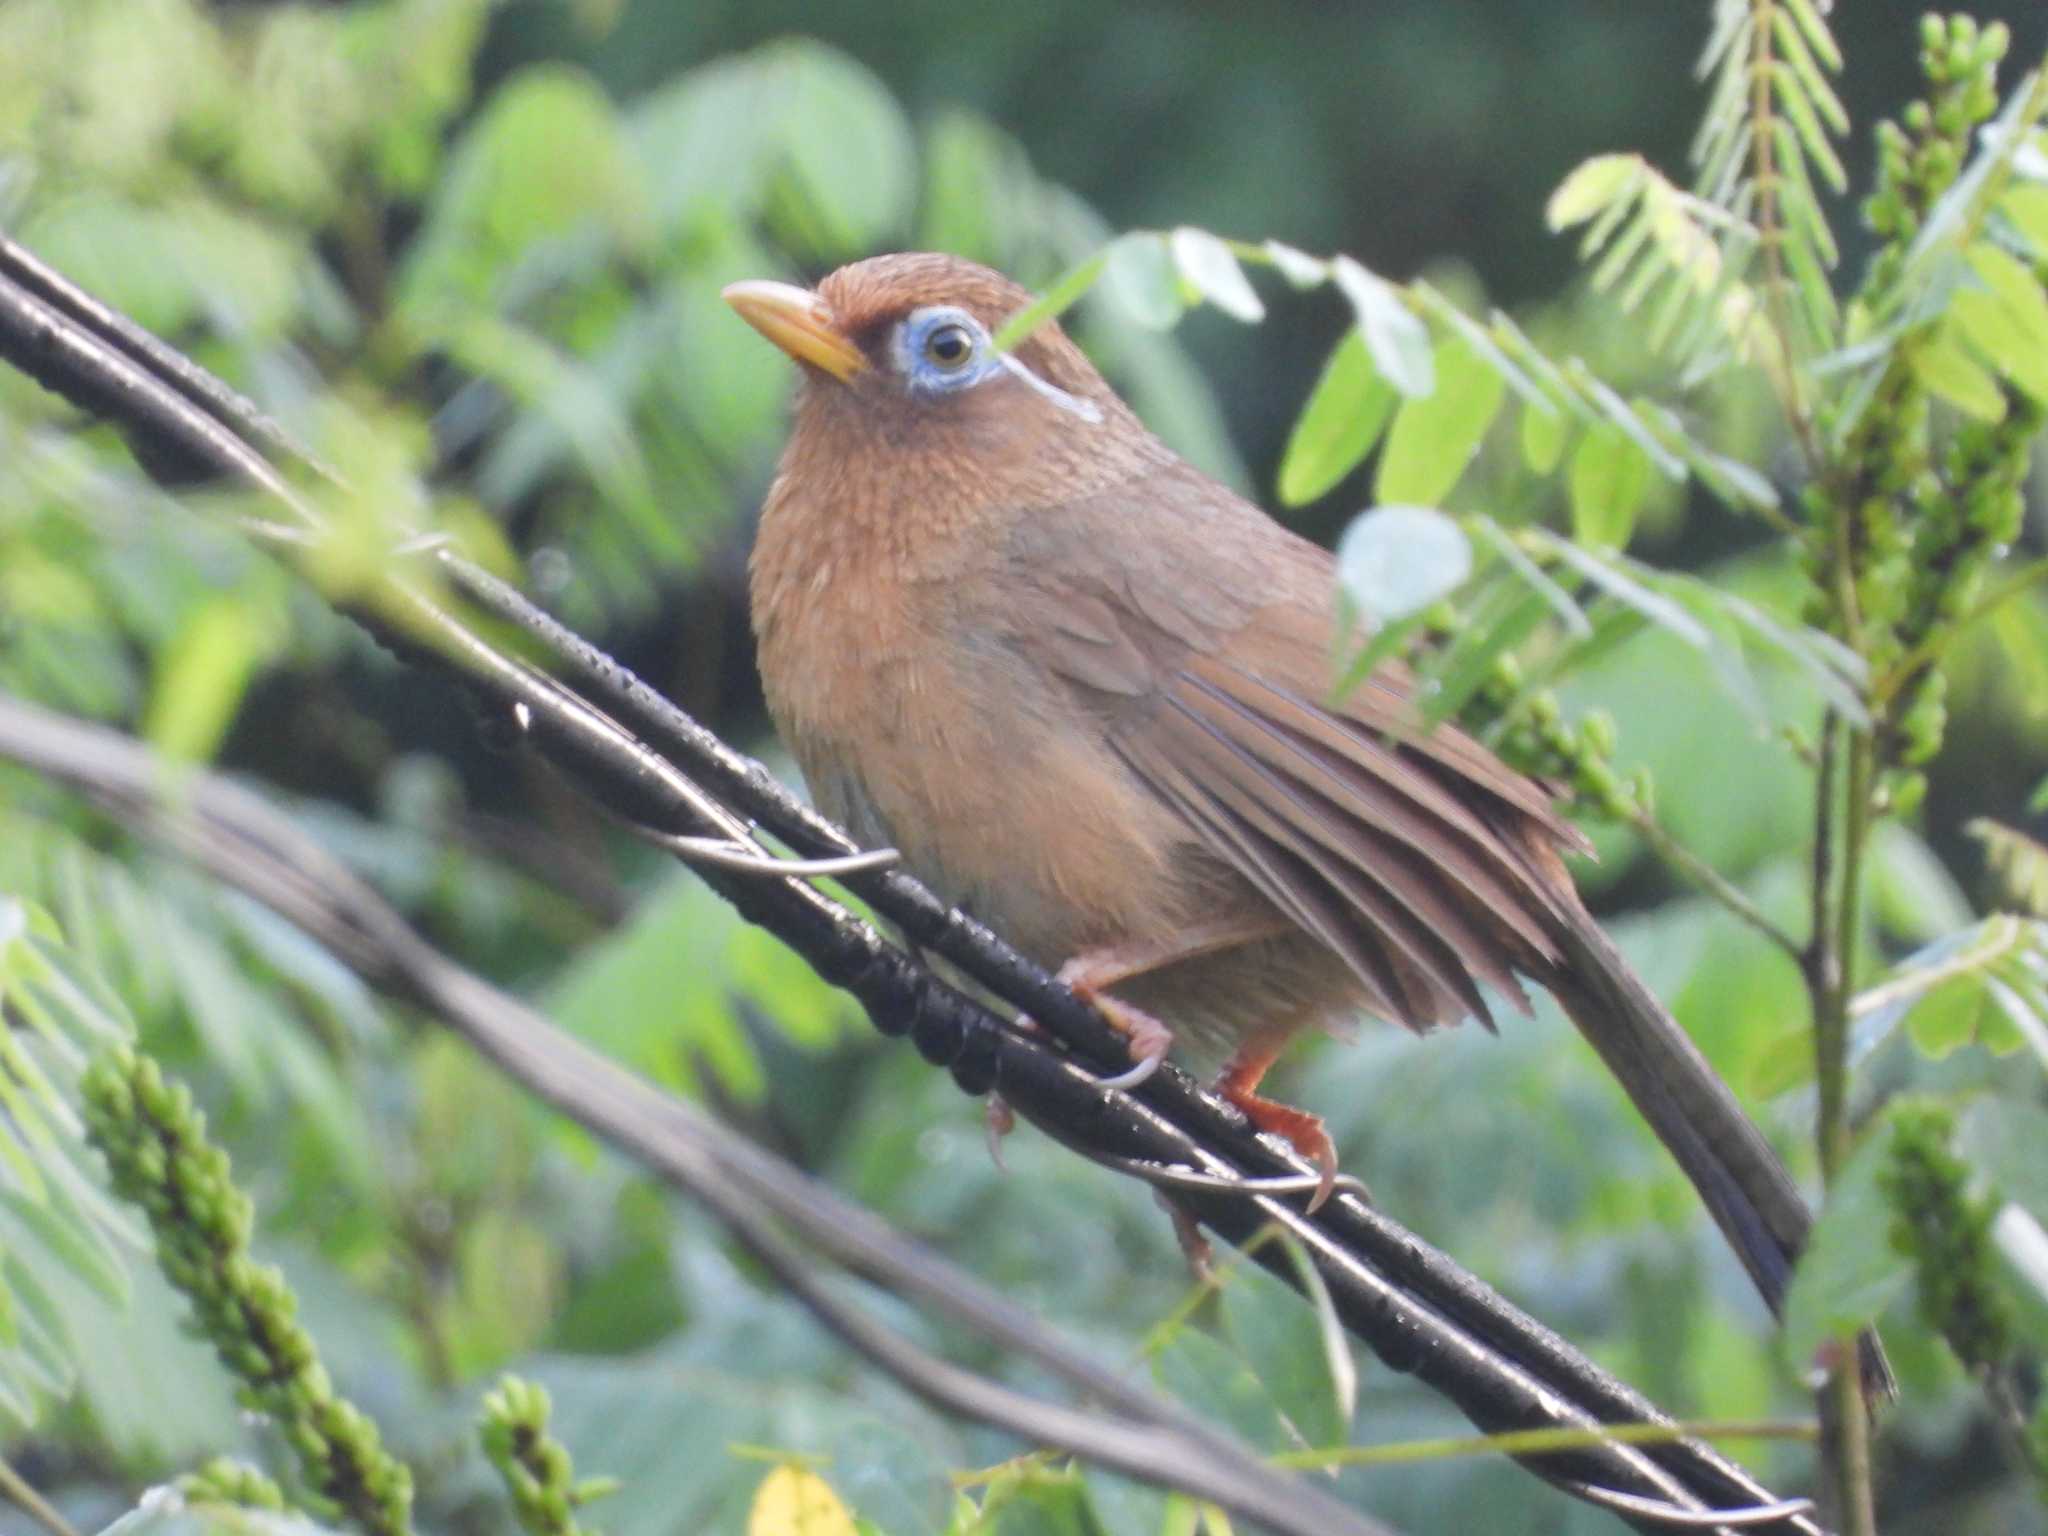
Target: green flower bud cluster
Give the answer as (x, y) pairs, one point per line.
(1946, 1232)
(1533, 735)
(154, 1140)
(224, 1480)
(1916, 529)
(1960, 530)
(1919, 158)
(535, 1466)
(1886, 466)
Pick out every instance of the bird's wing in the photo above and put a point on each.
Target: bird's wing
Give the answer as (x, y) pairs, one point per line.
(1415, 855)
(1206, 654)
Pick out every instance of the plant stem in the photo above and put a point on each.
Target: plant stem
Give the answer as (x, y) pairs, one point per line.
(16, 1489)
(1831, 1015)
(1710, 880)
(1840, 834)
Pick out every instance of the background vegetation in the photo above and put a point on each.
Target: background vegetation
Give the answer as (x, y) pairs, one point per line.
(473, 254)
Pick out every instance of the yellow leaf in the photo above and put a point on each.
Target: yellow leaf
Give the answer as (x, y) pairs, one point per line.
(794, 1502)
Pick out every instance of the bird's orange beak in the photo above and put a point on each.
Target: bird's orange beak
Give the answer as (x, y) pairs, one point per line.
(800, 323)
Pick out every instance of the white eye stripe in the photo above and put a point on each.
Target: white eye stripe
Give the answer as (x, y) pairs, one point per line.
(1074, 405)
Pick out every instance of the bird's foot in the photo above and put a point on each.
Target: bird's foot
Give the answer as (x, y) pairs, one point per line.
(1149, 1039)
(998, 1120)
(1305, 1130)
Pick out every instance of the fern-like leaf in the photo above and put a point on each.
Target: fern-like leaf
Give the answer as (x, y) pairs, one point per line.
(1765, 146)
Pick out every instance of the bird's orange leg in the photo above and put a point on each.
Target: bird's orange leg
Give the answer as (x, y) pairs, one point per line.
(1092, 972)
(1239, 1083)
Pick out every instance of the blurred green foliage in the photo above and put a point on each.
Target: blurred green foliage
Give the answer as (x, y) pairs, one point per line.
(472, 254)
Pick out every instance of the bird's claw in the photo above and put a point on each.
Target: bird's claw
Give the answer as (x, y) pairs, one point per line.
(1298, 1126)
(1150, 1041)
(998, 1120)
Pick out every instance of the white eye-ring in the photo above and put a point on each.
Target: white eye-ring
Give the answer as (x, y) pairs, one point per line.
(941, 349)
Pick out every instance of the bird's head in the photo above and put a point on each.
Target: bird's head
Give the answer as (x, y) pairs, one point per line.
(903, 384)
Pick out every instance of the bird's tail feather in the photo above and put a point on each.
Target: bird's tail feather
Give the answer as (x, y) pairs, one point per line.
(1742, 1181)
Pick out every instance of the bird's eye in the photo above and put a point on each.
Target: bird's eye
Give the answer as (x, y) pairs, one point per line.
(949, 346)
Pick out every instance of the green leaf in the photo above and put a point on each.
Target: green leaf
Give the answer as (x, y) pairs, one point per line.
(846, 144)
(1206, 262)
(1217, 1383)
(1806, 120)
(544, 158)
(201, 678)
(1815, 30)
(1543, 436)
(1610, 475)
(1481, 341)
(1947, 1018)
(1849, 1272)
(2004, 1137)
(1593, 187)
(1053, 303)
(1949, 992)
(1793, 48)
(1913, 893)
(1296, 1345)
(2019, 1009)
(1531, 575)
(1509, 617)
(2007, 320)
(657, 992)
(2020, 862)
(1948, 371)
(2026, 206)
(1345, 414)
(1621, 580)
(1397, 338)
(1434, 436)
(2018, 289)
(1142, 275)
(1395, 561)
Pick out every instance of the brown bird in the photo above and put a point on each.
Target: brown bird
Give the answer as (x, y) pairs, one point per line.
(1088, 692)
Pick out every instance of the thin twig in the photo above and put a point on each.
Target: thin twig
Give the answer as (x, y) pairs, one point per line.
(1535, 1442)
(19, 1491)
(1711, 880)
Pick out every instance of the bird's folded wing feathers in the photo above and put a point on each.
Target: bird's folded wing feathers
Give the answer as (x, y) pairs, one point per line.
(1410, 853)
